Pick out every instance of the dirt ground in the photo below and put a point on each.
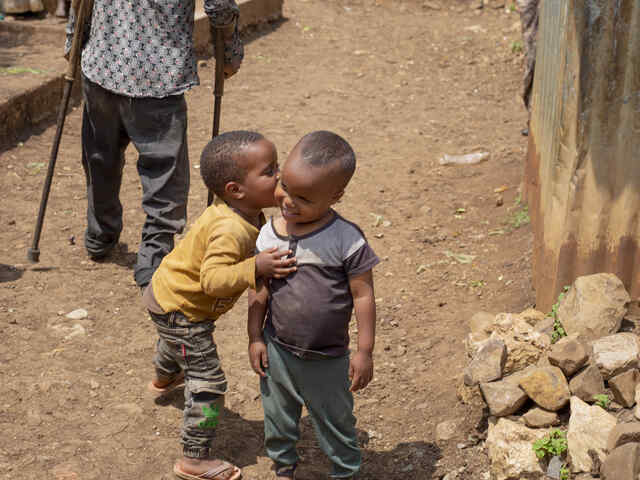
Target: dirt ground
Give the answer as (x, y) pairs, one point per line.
(405, 82)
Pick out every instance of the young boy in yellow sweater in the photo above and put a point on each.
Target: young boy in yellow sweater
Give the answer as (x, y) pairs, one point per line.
(202, 278)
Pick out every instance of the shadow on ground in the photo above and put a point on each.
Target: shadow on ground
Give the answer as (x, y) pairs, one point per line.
(9, 273)
(242, 441)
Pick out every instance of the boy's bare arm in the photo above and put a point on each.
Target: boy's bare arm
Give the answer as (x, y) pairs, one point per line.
(257, 348)
(361, 366)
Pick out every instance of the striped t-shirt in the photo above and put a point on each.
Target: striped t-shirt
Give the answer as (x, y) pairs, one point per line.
(309, 310)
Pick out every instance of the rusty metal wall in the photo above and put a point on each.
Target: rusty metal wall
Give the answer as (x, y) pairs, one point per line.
(582, 175)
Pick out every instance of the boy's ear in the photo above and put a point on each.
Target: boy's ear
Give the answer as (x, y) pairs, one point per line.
(234, 190)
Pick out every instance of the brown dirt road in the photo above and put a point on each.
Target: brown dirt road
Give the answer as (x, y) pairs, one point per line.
(404, 83)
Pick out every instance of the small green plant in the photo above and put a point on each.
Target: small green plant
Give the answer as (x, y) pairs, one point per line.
(558, 329)
(564, 473)
(553, 444)
(518, 200)
(516, 46)
(520, 217)
(558, 332)
(602, 400)
(512, 7)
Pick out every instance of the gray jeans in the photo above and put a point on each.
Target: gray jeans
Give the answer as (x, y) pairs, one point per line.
(157, 127)
(187, 346)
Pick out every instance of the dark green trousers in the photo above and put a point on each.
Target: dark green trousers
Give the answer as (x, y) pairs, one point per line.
(321, 385)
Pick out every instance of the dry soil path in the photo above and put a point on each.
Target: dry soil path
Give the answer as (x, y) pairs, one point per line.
(405, 83)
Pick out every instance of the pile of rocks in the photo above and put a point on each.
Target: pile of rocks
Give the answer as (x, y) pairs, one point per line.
(532, 385)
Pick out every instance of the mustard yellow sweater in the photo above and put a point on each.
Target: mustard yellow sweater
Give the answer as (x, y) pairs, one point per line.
(205, 274)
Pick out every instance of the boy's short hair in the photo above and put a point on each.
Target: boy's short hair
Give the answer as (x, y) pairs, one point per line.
(218, 162)
(324, 149)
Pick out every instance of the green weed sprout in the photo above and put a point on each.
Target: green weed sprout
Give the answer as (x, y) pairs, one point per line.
(602, 400)
(558, 329)
(516, 46)
(564, 473)
(518, 215)
(553, 444)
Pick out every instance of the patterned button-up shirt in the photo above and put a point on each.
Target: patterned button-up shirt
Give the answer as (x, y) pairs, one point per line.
(144, 48)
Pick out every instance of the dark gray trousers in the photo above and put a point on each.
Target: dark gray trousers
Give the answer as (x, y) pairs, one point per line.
(157, 127)
(187, 346)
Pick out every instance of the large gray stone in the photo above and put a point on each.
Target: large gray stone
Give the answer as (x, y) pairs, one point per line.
(554, 467)
(510, 453)
(623, 387)
(594, 306)
(568, 354)
(547, 387)
(487, 363)
(616, 353)
(503, 397)
(623, 463)
(587, 384)
(589, 428)
(623, 433)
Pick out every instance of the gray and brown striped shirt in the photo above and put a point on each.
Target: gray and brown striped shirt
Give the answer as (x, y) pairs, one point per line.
(309, 310)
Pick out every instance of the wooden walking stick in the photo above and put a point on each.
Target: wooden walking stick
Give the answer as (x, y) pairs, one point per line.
(82, 9)
(218, 90)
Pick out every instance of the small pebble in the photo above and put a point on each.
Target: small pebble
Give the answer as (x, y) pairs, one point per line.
(78, 314)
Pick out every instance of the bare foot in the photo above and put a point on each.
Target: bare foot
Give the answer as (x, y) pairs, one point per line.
(217, 469)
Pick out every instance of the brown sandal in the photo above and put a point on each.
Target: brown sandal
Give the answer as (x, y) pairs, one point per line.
(220, 472)
(286, 471)
(178, 381)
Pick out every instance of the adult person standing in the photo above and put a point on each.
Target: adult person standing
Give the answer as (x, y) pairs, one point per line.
(137, 62)
(529, 21)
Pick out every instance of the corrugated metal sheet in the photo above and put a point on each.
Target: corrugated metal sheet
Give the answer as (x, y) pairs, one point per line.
(583, 168)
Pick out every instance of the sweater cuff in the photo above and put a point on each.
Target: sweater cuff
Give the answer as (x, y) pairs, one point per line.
(250, 271)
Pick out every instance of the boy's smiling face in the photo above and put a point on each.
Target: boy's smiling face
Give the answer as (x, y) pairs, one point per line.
(306, 193)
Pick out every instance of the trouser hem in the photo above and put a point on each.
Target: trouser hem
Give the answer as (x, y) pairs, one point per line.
(196, 452)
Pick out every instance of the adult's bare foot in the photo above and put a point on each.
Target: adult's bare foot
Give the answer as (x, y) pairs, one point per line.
(61, 9)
